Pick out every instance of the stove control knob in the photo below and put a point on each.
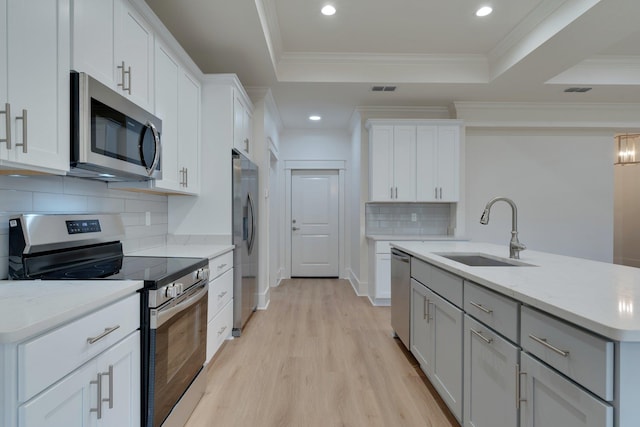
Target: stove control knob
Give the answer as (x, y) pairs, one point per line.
(179, 287)
(170, 291)
(202, 274)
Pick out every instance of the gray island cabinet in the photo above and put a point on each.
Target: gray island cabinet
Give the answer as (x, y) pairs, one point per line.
(552, 343)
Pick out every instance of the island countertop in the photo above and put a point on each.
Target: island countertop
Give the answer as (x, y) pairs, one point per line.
(601, 297)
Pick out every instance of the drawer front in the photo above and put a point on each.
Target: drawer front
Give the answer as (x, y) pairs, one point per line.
(44, 360)
(220, 264)
(220, 293)
(496, 311)
(219, 329)
(580, 355)
(443, 283)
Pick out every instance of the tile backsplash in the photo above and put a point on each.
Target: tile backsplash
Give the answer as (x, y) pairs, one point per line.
(408, 219)
(57, 194)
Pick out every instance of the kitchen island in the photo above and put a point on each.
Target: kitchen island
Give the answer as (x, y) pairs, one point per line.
(574, 355)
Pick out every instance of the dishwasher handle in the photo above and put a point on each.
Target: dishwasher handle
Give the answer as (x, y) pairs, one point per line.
(400, 256)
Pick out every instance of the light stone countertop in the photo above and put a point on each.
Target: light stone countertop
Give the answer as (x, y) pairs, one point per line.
(31, 307)
(185, 251)
(598, 296)
(403, 237)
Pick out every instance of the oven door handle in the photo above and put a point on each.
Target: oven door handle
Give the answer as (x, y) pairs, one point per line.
(162, 315)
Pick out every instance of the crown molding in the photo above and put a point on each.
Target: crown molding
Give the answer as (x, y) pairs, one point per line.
(549, 115)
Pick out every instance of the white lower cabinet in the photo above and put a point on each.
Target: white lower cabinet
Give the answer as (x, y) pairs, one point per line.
(436, 339)
(490, 370)
(549, 399)
(76, 401)
(220, 308)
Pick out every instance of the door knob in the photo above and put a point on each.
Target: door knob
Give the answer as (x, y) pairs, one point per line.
(295, 228)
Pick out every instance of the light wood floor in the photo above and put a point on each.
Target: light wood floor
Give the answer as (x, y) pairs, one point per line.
(319, 356)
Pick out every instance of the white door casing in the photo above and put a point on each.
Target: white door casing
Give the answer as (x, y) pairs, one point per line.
(315, 223)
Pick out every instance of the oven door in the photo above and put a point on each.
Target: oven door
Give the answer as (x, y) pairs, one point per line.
(178, 340)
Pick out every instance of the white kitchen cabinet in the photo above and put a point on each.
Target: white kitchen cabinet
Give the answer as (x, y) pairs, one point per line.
(73, 401)
(490, 370)
(177, 104)
(242, 124)
(114, 44)
(392, 163)
(436, 341)
(379, 272)
(438, 159)
(220, 308)
(34, 85)
(414, 161)
(549, 399)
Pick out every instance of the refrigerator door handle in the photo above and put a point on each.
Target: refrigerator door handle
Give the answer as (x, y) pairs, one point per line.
(251, 239)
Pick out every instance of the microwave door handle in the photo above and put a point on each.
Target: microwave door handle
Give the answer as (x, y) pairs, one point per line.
(165, 314)
(156, 156)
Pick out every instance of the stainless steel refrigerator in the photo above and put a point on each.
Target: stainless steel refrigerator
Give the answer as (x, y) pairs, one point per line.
(245, 239)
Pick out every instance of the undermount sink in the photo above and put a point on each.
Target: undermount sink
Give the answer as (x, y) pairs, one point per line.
(482, 260)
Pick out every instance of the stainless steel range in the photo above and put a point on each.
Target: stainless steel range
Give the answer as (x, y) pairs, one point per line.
(173, 301)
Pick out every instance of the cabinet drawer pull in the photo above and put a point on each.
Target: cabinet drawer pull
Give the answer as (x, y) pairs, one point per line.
(482, 337)
(98, 408)
(440, 193)
(23, 144)
(396, 192)
(543, 341)
(224, 328)
(222, 294)
(435, 196)
(481, 307)
(391, 192)
(107, 331)
(7, 121)
(221, 266)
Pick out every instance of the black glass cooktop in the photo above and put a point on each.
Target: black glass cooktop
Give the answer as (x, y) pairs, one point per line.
(155, 271)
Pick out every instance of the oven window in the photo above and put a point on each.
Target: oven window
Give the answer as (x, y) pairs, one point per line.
(179, 354)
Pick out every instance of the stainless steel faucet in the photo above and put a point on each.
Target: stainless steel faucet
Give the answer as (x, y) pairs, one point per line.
(514, 245)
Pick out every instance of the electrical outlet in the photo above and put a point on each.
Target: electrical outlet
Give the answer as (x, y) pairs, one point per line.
(414, 217)
(147, 218)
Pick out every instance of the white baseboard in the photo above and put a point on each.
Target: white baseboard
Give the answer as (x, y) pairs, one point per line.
(380, 302)
(358, 287)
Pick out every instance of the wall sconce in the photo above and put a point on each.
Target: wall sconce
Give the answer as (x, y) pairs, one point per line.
(628, 145)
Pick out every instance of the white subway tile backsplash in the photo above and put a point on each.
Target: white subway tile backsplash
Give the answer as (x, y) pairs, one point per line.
(145, 206)
(16, 201)
(47, 183)
(104, 204)
(407, 218)
(59, 203)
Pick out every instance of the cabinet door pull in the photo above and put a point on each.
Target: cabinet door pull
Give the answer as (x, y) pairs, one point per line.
(519, 398)
(481, 307)
(543, 341)
(222, 330)
(396, 192)
(7, 121)
(23, 144)
(222, 294)
(391, 192)
(109, 399)
(98, 408)
(124, 73)
(428, 310)
(186, 177)
(440, 193)
(435, 196)
(424, 308)
(107, 331)
(482, 337)
(221, 266)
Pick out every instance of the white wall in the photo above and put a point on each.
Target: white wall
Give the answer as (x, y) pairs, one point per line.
(561, 181)
(57, 194)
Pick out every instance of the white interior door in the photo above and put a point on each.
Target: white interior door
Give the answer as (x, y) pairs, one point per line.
(314, 223)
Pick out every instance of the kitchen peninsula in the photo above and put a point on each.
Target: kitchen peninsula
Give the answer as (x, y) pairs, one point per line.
(554, 339)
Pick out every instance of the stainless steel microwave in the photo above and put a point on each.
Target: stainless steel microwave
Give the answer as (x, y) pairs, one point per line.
(112, 139)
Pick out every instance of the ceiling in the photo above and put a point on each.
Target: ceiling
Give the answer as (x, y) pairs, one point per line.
(436, 52)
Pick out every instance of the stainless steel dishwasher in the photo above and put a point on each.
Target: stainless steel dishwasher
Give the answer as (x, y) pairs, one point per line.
(401, 295)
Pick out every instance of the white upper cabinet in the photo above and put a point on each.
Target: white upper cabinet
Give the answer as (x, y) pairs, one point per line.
(34, 85)
(242, 124)
(189, 117)
(414, 161)
(438, 157)
(114, 44)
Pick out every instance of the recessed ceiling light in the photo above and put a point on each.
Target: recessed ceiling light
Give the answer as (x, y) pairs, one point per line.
(328, 10)
(484, 11)
(315, 118)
